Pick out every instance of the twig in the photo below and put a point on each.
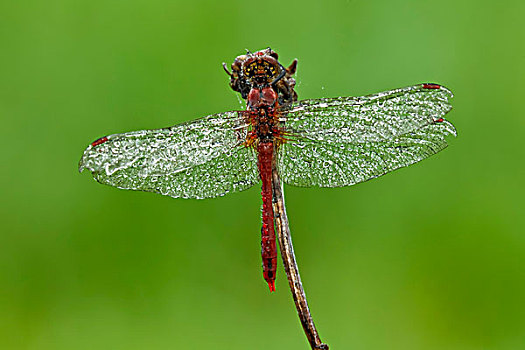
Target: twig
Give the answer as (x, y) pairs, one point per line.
(290, 265)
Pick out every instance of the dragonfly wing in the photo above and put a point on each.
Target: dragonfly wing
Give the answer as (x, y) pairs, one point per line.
(346, 140)
(199, 159)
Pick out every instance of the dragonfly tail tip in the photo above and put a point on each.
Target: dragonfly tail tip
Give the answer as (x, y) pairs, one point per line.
(271, 285)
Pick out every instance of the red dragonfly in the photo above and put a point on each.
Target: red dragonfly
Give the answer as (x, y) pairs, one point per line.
(327, 142)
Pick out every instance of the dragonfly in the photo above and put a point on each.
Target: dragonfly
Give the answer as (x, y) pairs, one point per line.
(326, 142)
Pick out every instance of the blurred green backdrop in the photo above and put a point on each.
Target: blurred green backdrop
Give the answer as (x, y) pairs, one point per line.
(428, 257)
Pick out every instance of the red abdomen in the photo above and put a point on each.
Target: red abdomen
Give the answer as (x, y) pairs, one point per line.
(268, 244)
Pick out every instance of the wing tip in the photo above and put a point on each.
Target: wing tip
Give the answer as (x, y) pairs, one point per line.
(81, 165)
(435, 86)
(82, 162)
(450, 129)
(97, 142)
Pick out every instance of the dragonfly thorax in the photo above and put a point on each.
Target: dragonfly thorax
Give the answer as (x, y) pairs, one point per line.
(265, 97)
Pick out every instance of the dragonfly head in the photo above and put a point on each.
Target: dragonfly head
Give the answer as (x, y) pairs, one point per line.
(262, 69)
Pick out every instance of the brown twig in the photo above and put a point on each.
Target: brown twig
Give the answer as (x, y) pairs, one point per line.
(290, 265)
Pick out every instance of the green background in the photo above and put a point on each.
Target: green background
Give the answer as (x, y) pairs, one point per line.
(428, 257)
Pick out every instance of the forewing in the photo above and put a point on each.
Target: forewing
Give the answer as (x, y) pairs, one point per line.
(346, 140)
(200, 159)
